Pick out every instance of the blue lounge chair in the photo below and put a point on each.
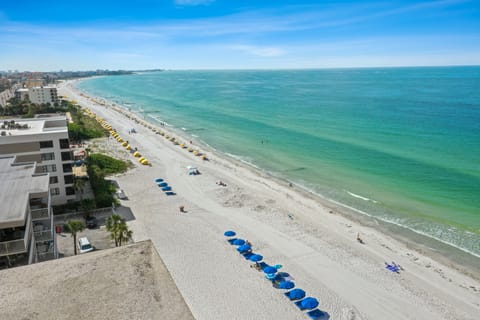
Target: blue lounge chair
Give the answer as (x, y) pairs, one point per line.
(318, 315)
(295, 294)
(170, 193)
(307, 303)
(247, 255)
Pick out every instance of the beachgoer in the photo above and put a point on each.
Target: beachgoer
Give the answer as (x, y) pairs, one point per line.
(359, 239)
(248, 242)
(182, 209)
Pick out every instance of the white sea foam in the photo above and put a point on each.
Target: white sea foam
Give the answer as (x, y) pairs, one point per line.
(360, 197)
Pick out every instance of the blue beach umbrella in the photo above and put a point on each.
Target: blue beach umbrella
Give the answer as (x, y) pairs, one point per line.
(309, 303)
(270, 270)
(229, 233)
(296, 294)
(239, 242)
(244, 247)
(287, 285)
(167, 188)
(162, 184)
(256, 258)
(159, 180)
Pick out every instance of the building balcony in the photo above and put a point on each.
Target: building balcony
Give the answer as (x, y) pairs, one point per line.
(40, 214)
(44, 235)
(14, 241)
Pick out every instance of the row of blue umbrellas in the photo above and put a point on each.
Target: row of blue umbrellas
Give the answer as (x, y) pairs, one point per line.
(271, 271)
(163, 184)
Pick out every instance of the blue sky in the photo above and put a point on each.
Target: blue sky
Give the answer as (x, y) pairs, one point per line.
(236, 34)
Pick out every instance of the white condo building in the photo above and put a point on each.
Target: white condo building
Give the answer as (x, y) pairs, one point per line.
(41, 95)
(26, 220)
(45, 141)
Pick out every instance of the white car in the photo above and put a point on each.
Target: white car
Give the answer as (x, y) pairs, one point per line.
(84, 245)
(120, 194)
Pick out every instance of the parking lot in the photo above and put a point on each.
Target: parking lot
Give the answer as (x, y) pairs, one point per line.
(98, 237)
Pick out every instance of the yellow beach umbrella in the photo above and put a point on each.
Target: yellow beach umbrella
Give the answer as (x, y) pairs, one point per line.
(137, 154)
(125, 144)
(204, 157)
(145, 162)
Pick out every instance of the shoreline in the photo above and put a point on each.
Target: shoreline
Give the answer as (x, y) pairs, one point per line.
(375, 239)
(434, 248)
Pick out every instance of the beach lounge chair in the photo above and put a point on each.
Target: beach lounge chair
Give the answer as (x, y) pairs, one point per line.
(307, 303)
(247, 255)
(295, 294)
(170, 193)
(318, 315)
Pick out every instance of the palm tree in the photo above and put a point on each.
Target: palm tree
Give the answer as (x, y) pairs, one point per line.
(113, 223)
(73, 227)
(124, 234)
(118, 228)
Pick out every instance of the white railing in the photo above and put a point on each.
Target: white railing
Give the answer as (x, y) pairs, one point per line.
(44, 235)
(39, 214)
(12, 247)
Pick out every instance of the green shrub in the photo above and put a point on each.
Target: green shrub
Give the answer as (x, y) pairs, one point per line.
(99, 166)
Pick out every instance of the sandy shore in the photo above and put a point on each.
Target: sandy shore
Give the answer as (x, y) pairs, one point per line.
(314, 243)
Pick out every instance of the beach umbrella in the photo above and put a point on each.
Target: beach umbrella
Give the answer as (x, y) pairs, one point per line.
(296, 294)
(270, 270)
(271, 276)
(162, 184)
(228, 233)
(161, 180)
(256, 258)
(287, 285)
(309, 303)
(239, 242)
(244, 247)
(167, 188)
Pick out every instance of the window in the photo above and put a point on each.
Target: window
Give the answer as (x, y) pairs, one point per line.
(53, 180)
(70, 191)
(64, 144)
(68, 179)
(67, 167)
(48, 156)
(46, 144)
(67, 156)
(49, 168)
(54, 191)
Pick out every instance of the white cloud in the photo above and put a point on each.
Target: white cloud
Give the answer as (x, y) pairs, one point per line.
(193, 2)
(259, 51)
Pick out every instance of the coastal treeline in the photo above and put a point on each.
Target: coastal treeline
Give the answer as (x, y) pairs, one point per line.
(100, 166)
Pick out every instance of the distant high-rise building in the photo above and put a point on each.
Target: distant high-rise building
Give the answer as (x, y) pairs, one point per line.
(41, 95)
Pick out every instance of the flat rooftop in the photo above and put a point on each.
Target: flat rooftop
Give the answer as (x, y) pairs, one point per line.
(17, 182)
(34, 126)
(129, 282)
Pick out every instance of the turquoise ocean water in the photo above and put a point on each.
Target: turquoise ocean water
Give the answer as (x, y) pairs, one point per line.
(399, 144)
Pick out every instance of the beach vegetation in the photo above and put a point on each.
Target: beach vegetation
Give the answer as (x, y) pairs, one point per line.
(100, 166)
(118, 228)
(73, 227)
(83, 127)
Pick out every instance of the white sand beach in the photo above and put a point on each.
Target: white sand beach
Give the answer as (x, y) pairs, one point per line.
(314, 244)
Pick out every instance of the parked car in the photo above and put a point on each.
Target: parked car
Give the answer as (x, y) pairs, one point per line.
(84, 245)
(120, 194)
(91, 222)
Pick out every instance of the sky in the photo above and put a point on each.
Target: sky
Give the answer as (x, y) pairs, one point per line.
(236, 34)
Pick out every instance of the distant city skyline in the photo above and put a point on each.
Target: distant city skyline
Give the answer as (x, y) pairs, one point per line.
(223, 34)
